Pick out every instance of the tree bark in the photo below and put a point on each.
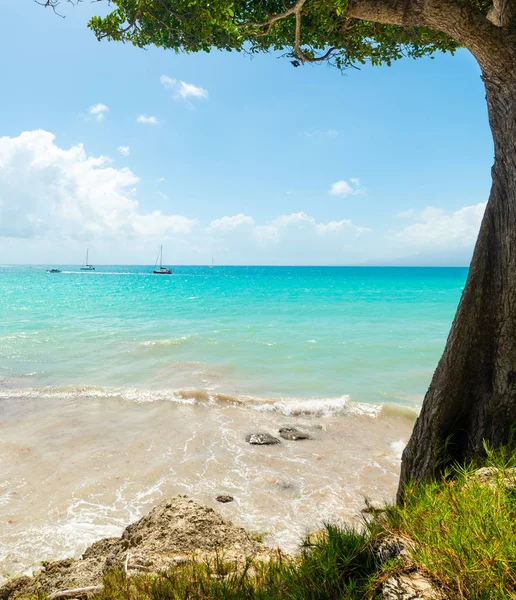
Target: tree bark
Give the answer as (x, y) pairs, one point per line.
(472, 396)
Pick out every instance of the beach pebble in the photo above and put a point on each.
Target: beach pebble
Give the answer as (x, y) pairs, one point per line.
(224, 498)
(291, 433)
(262, 439)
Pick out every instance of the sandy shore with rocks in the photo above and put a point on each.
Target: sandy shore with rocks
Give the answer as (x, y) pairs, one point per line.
(79, 469)
(174, 532)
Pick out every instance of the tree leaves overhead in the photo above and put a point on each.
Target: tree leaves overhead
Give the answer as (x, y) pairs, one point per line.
(200, 25)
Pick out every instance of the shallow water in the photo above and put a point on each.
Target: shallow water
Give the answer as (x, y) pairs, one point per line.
(118, 388)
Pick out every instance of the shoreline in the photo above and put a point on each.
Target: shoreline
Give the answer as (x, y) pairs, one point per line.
(103, 463)
(418, 551)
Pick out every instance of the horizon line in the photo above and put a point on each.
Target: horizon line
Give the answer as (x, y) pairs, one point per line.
(208, 265)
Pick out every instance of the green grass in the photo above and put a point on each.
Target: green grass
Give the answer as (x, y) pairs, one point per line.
(338, 565)
(464, 536)
(464, 531)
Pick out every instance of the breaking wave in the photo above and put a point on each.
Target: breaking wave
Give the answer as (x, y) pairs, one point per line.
(314, 407)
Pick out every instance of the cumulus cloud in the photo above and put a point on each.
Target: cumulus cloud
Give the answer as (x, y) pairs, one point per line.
(145, 120)
(98, 111)
(231, 223)
(291, 238)
(439, 229)
(124, 150)
(335, 227)
(56, 195)
(296, 225)
(183, 90)
(343, 188)
(50, 192)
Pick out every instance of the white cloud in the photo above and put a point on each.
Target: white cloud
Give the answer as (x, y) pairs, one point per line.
(299, 219)
(183, 90)
(343, 188)
(335, 227)
(266, 234)
(438, 229)
(124, 150)
(64, 196)
(98, 111)
(145, 120)
(303, 225)
(292, 238)
(231, 223)
(284, 225)
(50, 192)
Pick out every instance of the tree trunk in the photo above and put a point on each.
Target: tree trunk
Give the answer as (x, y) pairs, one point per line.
(472, 396)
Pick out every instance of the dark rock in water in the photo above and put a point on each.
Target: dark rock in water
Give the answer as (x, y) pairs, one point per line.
(291, 433)
(224, 499)
(262, 439)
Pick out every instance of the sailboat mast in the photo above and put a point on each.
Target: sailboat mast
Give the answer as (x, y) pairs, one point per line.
(86, 256)
(161, 257)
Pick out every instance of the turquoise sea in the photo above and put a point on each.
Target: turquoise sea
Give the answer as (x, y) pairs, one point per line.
(374, 334)
(119, 388)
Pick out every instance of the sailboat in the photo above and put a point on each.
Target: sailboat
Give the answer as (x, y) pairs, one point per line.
(162, 270)
(211, 266)
(86, 266)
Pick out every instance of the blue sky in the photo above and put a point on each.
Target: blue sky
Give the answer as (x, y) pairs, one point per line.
(252, 161)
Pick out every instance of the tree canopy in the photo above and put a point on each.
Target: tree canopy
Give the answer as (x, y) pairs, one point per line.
(306, 30)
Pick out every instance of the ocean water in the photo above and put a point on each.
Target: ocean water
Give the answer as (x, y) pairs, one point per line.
(119, 387)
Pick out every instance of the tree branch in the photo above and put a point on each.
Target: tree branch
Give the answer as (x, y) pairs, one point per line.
(293, 10)
(274, 18)
(53, 4)
(84, 591)
(457, 18)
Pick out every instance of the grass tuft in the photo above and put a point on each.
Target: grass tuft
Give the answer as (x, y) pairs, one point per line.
(464, 529)
(335, 565)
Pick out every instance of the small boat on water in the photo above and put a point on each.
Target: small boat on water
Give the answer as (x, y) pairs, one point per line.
(86, 266)
(162, 270)
(53, 270)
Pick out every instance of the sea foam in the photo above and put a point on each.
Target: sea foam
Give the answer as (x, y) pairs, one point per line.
(316, 407)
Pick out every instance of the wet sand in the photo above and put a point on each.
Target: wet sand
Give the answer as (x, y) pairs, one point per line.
(80, 468)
